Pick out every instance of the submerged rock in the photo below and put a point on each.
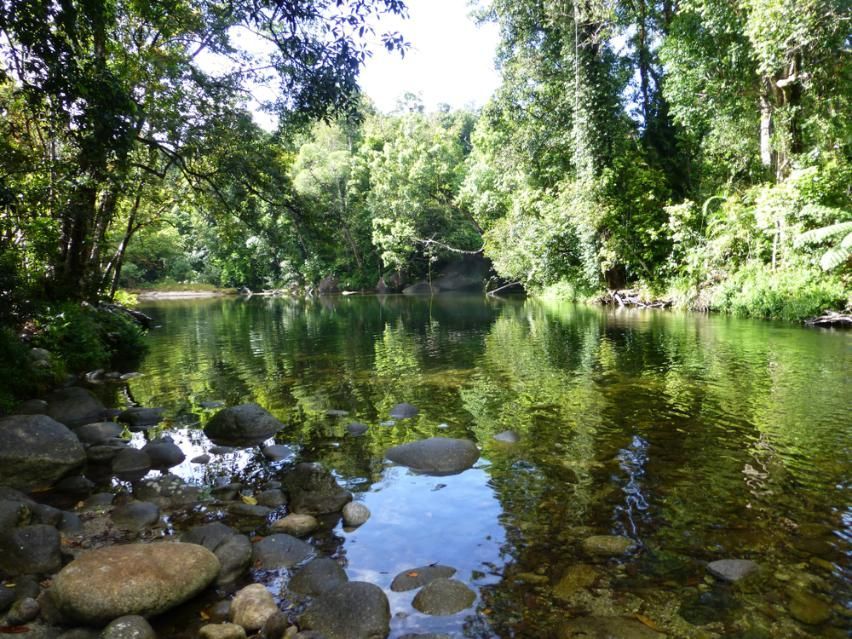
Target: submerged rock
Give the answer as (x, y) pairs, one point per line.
(404, 411)
(443, 597)
(606, 628)
(353, 610)
(318, 576)
(314, 491)
(575, 579)
(36, 451)
(134, 579)
(608, 545)
(436, 455)
(731, 569)
(243, 425)
(280, 551)
(808, 609)
(416, 577)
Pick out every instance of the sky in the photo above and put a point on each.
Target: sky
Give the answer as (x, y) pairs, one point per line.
(451, 59)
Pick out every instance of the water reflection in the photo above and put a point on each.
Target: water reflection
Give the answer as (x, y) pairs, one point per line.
(700, 437)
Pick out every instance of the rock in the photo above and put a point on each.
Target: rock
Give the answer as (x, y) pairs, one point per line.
(248, 511)
(44, 514)
(808, 609)
(200, 459)
(75, 485)
(575, 579)
(508, 437)
(23, 611)
(221, 631)
(220, 611)
(136, 515)
(71, 523)
(417, 577)
(280, 551)
(355, 514)
(252, 606)
(163, 454)
(278, 452)
(244, 425)
(74, 406)
(353, 610)
(7, 597)
(211, 535)
(234, 555)
(420, 288)
(32, 407)
(443, 597)
(314, 491)
(276, 627)
(168, 491)
(30, 550)
(131, 464)
(606, 628)
(608, 545)
(98, 501)
(102, 453)
(138, 418)
(221, 450)
(129, 627)
(13, 514)
(731, 569)
(98, 432)
(356, 428)
(272, 498)
(404, 411)
(35, 451)
(318, 576)
(27, 586)
(134, 579)
(296, 525)
(436, 455)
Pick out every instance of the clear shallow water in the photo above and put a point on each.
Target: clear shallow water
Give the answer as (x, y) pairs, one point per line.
(699, 437)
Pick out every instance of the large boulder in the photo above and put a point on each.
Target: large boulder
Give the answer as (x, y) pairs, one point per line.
(244, 425)
(314, 491)
(436, 455)
(35, 451)
(135, 579)
(74, 406)
(352, 610)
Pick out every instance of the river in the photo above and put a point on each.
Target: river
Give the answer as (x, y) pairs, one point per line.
(698, 437)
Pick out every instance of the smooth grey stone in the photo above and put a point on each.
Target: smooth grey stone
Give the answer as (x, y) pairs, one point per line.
(74, 406)
(417, 577)
(249, 511)
(404, 411)
(731, 569)
(280, 551)
(234, 556)
(314, 491)
(243, 425)
(98, 501)
(201, 459)
(136, 515)
(163, 454)
(71, 523)
(30, 550)
(278, 452)
(131, 464)
(98, 432)
(275, 627)
(221, 450)
(211, 535)
(443, 597)
(129, 627)
(318, 576)
(352, 610)
(167, 491)
(44, 514)
(272, 498)
(356, 428)
(138, 418)
(23, 611)
(13, 513)
(102, 453)
(36, 451)
(7, 597)
(436, 455)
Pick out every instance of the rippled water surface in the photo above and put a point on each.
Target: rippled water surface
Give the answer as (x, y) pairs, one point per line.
(700, 438)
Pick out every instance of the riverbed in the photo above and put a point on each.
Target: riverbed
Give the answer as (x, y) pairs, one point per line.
(697, 437)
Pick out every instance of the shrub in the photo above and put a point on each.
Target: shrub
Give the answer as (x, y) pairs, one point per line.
(18, 377)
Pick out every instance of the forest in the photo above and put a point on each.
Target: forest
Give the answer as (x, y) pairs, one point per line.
(695, 151)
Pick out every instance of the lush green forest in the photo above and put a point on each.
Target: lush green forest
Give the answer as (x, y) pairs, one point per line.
(694, 149)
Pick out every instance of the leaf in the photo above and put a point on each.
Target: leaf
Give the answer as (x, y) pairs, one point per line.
(648, 622)
(835, 257)
(251, 501)
(413, 573)
(13, 630)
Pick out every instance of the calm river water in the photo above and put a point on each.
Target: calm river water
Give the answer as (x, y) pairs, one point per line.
(699, 437)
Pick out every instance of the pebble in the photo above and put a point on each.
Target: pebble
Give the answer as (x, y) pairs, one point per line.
(252, 606)
(23, 611)
(731, 569)
(355, 514)
(442, 597)
(129, 627)
(608, 545)
(221, 631)
(296, 525)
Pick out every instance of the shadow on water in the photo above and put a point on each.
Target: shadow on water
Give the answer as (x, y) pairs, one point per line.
(698, 437)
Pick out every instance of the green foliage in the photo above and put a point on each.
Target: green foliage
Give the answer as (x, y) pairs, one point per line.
(20, 377)
(85, 338)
